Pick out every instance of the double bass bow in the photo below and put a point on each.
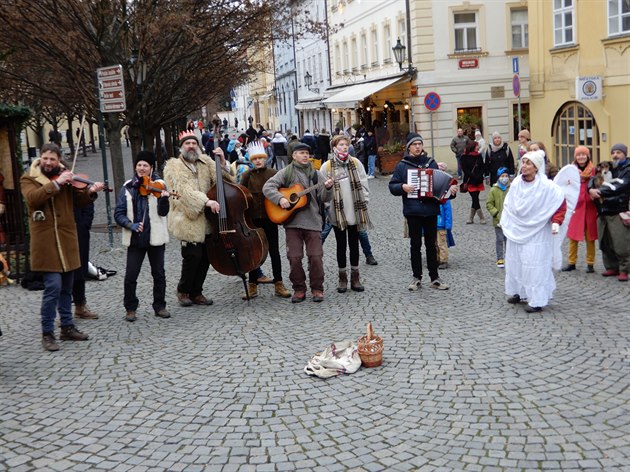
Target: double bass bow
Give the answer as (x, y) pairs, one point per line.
(235, 246)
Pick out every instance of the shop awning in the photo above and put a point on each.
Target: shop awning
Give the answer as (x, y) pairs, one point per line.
(349, 96)
(310, 105)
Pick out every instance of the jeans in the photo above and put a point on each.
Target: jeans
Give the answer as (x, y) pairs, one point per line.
(500, 242)
(459, 165)
(427, 226)
(371, 164)
(57, 296)
(364, 240)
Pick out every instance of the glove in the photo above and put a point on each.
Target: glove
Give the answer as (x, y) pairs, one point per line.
(134, 227)
(555, 228)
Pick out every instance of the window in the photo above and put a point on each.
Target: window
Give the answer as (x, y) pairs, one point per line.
(337, 59)
(469, 119)
(402, 31)
(374, 48)
(346, 57)
(563, 22)
(524, 119)
(387, 53)
(364, 51)
(618, 17)
(574, 125)
(355, 54)
(466, 32)
(520, 34)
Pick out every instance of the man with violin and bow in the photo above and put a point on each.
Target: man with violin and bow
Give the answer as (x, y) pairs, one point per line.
(192, 174)
(51, 193)
(141, 211)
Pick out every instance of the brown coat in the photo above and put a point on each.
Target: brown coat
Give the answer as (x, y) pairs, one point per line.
(254, 180)
(53, 231)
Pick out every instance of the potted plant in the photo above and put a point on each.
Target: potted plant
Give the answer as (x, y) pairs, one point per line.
(389, 155)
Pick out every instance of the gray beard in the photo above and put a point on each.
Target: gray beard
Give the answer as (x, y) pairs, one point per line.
(191, 156)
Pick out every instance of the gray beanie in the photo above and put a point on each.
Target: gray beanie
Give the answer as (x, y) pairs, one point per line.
(620, 147)
(412, 138)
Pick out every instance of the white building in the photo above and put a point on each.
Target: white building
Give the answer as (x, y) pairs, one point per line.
(286, 84)
(464, 52)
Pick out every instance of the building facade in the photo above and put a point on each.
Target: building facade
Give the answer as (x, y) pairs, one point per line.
(580, 76)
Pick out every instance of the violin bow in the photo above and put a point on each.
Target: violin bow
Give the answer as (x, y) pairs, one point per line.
(76, 149)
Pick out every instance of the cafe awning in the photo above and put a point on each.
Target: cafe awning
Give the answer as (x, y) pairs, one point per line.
(349, 96)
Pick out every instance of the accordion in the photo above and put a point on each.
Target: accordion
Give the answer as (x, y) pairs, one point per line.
(431, 183)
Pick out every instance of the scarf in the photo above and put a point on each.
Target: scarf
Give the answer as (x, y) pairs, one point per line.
(307, 168)
(359, 204)
(502, 187)
(496, 148)
(587, 172)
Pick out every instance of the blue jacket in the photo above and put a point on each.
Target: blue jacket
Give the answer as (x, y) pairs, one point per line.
(413, 206)
(445, 217)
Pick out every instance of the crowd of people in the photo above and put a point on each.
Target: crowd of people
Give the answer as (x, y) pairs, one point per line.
(526, 207)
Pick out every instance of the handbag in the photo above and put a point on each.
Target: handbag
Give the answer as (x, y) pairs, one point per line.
(625, 218)
(463, 187)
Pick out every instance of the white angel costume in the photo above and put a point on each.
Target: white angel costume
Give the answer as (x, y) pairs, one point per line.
(526, 223)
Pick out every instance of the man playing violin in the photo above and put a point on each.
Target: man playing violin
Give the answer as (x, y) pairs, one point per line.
(48, 191)
(192, 174)
(142, 215)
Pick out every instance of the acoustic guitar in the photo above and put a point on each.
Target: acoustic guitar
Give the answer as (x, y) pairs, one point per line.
(298, 198)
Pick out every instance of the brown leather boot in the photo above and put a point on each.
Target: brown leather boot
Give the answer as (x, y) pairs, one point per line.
(343, 281)
(281, 290)
(49, 342)
(355, 281)
(252, 290)
(82, 311)
(70, 333)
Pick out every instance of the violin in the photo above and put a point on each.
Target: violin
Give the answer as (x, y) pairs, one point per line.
(80, 181)
(152, 187)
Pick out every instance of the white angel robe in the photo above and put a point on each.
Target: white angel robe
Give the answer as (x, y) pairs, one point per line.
(526, 223)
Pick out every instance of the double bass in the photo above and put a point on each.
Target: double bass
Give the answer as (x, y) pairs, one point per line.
(235, 246)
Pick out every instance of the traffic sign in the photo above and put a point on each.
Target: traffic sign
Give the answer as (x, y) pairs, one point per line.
(516, 85)
(515, 65)
(432, 101)
(111, 89)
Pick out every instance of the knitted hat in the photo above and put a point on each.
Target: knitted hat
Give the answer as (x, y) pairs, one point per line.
(502, 170)
(146, 156)
(536, 157)
(301, 147)
(413, 138)
(186, 135)
(581, 150)
(524, 133)
(620, 147)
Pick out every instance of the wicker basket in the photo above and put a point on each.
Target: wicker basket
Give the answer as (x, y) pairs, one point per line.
(370, 348)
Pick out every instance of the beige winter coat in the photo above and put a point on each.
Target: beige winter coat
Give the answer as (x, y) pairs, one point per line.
(186, 218)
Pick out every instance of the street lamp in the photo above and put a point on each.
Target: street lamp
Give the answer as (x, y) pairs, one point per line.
(138, 73)
(308, 80)
(399, 55)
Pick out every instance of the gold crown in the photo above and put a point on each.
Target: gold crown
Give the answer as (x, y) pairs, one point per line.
(186, 135)
(256, 149)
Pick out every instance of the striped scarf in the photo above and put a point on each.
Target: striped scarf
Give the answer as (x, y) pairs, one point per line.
(360, 205)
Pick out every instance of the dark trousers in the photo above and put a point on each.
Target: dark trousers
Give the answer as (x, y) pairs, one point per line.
(427, 225)
(271, 232)
(80, 274)
(135, 257)
(296, 240)
(475, 200)
(195, 266)
(349, 236)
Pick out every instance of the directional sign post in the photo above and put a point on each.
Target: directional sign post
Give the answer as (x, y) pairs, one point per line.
(432, 102)
(111, 89)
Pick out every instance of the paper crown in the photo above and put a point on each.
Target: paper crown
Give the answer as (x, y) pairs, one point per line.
(256, 149)
(186, 135)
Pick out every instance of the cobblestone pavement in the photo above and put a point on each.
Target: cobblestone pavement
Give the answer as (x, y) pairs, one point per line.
(468, 382)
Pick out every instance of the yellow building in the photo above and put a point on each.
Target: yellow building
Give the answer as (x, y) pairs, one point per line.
(579, 59)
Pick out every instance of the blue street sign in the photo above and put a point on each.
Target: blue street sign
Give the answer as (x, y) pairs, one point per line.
(516, 85)
(515, 65)
(432, 101)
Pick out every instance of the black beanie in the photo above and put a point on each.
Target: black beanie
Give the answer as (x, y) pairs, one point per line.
(146, 156)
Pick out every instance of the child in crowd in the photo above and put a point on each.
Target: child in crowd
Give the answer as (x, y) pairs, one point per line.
(444, 228)
(494, 205)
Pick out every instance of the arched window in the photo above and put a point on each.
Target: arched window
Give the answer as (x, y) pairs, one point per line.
(574, 125)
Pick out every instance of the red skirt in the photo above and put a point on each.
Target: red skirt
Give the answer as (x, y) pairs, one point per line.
(476, 187)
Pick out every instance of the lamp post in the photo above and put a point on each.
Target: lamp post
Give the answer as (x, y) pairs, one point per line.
(412, 72)
(308, 80)
(138, 72)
